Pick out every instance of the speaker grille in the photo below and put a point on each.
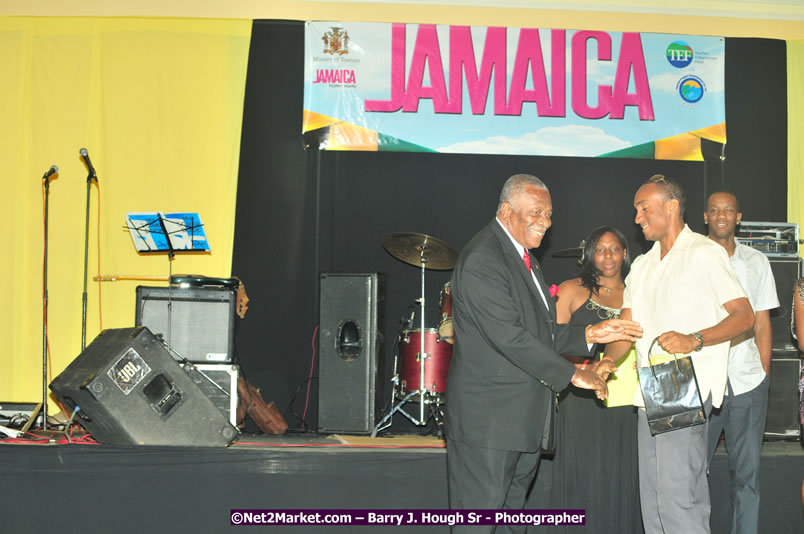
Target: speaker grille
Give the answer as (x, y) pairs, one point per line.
(198, 323)
(785, 274)
(351, 343)
(783, 397)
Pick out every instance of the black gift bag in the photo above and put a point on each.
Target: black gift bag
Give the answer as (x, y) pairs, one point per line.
(671, 393)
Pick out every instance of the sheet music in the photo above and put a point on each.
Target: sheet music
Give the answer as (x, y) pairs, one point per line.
(157, 231)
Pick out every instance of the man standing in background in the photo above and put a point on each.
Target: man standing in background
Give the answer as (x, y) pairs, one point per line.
(745, 406)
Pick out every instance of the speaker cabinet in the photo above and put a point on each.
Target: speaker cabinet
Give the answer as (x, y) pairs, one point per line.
(783, 397)
(785, 273)
(351, 344)
(198, 322)
(132, 392)
(218, 381)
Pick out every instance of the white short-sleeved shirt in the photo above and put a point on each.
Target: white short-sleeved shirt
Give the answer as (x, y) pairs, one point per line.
(754, 273)
(684, 292)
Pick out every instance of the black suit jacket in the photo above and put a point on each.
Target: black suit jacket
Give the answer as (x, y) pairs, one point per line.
(506, 364)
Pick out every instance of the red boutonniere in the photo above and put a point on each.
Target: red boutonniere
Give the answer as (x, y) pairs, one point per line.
(553, 290)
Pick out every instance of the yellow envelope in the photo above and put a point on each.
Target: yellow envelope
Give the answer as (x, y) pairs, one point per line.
(623, 384)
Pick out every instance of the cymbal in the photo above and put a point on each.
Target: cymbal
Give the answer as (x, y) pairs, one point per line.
(414, 249)
(574, 252)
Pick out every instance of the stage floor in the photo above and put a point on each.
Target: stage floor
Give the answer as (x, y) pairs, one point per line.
(104, 488)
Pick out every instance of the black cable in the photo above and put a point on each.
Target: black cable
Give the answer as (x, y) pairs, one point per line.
(293, 399)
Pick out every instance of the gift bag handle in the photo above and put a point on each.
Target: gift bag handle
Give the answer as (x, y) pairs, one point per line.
(650, 363)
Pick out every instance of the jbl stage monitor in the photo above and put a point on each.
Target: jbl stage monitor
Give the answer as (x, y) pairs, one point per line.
(132, 392)
(351, 341)
(197, 322)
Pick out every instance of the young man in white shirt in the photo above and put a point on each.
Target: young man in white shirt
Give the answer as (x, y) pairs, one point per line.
(745, 406)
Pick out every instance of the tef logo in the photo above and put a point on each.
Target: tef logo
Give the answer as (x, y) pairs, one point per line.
(679, 54)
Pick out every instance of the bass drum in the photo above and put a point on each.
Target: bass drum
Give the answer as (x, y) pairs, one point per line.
(436, 366)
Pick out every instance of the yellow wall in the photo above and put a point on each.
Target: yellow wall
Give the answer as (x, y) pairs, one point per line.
(158, 103)
(753, 21)
(795, 135)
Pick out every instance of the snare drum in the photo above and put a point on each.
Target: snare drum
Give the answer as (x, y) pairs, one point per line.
(436, 366)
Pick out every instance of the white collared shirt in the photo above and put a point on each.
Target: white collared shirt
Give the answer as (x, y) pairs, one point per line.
(754, 273)
(684, 292)
(521, 250)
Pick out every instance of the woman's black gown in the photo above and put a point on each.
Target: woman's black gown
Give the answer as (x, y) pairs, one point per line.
(595, 464)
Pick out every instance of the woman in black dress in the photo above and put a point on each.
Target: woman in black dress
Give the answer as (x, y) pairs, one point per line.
(595, 465)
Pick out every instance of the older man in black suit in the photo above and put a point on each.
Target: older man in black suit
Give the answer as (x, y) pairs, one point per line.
(506, 365)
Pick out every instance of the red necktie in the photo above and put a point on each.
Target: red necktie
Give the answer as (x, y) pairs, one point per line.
(526, 259)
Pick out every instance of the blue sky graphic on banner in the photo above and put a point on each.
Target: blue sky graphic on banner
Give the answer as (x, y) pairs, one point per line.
(502, 90)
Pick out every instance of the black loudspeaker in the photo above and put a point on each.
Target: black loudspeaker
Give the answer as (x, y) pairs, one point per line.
(351, 343)
(783, 397)
(785, 273)
(197, 322)
(132, 392)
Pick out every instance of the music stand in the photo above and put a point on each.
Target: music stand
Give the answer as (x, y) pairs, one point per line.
(167, 232)
(158, 232)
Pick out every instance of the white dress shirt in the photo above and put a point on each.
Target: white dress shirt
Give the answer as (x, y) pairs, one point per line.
(521, 251)
(684, 292)
(754, 273)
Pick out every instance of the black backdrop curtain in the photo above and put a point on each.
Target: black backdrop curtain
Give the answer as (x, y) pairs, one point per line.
(303, 212)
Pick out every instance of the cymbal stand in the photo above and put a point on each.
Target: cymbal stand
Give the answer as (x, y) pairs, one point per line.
(418, 250)
(422, 355)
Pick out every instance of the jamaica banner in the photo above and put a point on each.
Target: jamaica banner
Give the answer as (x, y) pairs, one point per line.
(498, 90)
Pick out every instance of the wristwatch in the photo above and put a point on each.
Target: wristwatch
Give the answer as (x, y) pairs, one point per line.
(699, 338)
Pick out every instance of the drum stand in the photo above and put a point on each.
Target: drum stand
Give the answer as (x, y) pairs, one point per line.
(434, 401)
(417, 250)
(423, 356)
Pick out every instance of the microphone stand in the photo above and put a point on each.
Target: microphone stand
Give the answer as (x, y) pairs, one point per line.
(46, 178)
(90, 177)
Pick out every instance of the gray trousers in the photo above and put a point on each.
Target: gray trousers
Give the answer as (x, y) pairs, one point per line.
(488, 479)
(673, 489)
(743, 418)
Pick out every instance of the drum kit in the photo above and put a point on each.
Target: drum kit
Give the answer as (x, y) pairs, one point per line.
(425, 353)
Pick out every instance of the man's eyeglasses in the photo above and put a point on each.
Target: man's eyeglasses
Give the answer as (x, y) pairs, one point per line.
(660, 179)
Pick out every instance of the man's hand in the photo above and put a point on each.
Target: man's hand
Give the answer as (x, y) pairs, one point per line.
(613, 330)
(675, 343)
(588, 379)
(602, 368)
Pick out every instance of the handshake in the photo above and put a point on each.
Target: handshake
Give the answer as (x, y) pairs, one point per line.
(594, 374)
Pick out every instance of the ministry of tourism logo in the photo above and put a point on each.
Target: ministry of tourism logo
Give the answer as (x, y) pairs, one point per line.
(679, 54)
(691, 89)
(336, 41)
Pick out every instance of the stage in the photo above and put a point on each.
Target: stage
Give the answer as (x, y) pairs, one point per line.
(85, 488)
